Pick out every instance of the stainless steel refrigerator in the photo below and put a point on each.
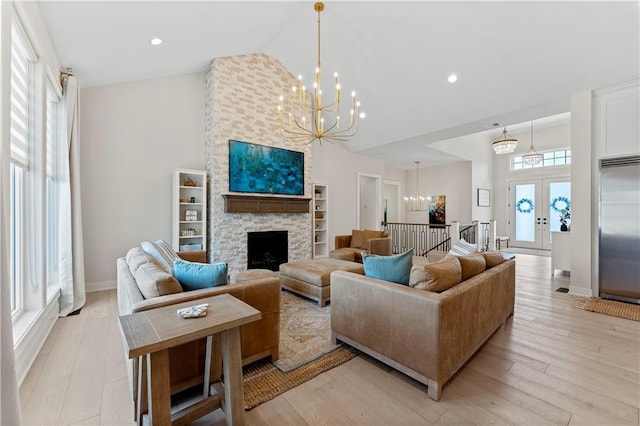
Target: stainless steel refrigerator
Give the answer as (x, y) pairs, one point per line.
(620, 229)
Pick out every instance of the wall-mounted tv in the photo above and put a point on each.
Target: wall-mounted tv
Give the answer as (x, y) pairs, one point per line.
(264, 169)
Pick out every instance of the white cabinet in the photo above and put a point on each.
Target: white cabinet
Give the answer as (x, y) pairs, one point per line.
(189, 210)
(560, 251)
(320, 224)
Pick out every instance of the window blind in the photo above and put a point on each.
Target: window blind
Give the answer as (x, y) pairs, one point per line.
(20, 57)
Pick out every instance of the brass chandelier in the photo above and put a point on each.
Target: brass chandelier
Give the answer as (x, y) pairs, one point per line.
(305, 118)
(419, 203)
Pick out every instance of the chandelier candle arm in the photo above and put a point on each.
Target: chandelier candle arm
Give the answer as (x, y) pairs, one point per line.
(323, 120)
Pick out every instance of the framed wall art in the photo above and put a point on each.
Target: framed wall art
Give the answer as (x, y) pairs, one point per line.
(484, 197)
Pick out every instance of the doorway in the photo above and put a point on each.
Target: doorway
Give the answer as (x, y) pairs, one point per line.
(391, 201)
(369, 196)
(535, 208)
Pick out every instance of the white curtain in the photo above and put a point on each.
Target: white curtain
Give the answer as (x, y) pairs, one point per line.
(72, 285)
(9, 405)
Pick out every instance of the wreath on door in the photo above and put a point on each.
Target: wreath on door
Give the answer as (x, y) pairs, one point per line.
(565, 200)
(525, 205)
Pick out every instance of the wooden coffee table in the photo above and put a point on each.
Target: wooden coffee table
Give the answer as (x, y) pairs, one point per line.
(149, 335)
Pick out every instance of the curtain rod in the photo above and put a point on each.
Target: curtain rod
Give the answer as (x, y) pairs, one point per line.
(66, 73)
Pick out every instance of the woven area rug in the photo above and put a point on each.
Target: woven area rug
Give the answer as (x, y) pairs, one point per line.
(264, 381)
(609, 307)
(305, 331)
(305, 351)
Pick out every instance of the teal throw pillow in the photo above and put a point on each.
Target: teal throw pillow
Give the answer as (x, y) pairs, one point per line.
(396, 268)
(194, 275)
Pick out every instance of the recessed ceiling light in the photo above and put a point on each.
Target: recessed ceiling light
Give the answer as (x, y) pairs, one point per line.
(452, 78)
(156, 41)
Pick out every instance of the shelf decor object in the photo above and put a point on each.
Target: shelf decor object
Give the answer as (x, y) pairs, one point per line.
(309, 117)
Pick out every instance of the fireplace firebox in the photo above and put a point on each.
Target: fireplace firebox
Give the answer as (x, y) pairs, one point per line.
(267, 250)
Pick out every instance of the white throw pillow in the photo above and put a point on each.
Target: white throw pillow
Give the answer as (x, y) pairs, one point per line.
(462, 248)
(161, 252)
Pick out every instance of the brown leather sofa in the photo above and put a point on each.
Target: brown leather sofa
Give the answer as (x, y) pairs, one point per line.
(426, 335)
(259, 339)
(350, 247)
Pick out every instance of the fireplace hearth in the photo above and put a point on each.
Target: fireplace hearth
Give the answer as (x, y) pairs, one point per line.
(267, 250)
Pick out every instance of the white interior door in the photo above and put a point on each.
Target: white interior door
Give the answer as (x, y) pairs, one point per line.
(535, 207)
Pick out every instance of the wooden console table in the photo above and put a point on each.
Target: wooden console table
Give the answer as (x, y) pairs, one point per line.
(149, 335)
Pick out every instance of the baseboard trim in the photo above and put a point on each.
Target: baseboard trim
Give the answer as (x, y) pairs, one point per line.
(100, 286)
(580, 291)
(29, 345)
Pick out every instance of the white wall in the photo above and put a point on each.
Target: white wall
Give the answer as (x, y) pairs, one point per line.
(477, 149)
(133, 136)
(452, 181)
(338, 167)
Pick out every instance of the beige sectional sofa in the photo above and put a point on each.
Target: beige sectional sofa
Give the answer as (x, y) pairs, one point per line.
(259, 339)
(424, 334)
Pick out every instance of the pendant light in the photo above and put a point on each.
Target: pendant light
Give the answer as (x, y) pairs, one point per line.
(532, 157)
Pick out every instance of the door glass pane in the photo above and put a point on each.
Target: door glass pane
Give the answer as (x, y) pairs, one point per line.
(559, 204)
(525, 198)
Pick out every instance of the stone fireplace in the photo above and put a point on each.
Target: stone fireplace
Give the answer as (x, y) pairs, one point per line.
(240, 104)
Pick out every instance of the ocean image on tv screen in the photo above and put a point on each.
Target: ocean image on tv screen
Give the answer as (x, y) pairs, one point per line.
(264, 169)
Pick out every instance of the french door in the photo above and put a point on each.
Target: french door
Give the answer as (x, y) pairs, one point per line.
(535, 207)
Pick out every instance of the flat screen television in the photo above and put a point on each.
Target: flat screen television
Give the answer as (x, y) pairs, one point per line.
(264, 169)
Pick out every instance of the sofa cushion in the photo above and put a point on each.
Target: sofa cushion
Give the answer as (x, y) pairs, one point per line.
(194, 276)
(492, 258)
(356, 238)
(462, 247)
(471, 265)
(136, 257)
(441, 275)
(153, 281)
(396, 268)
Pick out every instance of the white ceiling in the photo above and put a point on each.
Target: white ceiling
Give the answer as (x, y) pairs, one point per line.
(516, 61)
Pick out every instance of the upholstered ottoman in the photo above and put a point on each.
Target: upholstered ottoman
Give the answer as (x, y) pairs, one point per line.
(254, 274)
(311, 278)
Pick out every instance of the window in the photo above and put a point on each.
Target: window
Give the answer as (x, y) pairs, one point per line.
(21, 105)
(551, 158)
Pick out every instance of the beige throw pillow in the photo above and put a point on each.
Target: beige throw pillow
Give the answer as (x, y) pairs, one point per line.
(441, 275)
(472, 264)
(492, 258)
(153, 281)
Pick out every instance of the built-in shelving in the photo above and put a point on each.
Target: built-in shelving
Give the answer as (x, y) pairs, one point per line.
(320, 220)
(189, 210)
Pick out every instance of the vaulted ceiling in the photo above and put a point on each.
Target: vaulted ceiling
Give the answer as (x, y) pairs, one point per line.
(516, 61)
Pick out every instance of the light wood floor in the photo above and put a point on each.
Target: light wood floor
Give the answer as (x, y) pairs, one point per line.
(551, 364)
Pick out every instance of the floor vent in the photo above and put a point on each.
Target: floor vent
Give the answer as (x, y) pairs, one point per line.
(562, 290)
